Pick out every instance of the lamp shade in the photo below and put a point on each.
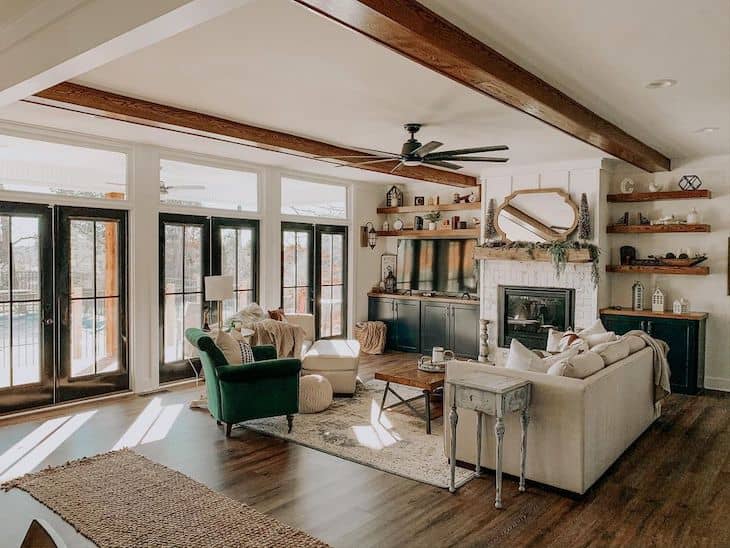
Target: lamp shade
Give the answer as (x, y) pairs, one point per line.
(218, 288)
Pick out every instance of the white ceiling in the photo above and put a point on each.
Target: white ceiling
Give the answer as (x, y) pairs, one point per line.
(275, 64)
(603, 53)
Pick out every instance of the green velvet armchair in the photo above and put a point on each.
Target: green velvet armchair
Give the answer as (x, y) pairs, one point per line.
(268, 387)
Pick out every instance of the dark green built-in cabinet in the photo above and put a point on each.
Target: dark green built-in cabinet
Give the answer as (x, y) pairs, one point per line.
(686, 340)
(419, 325)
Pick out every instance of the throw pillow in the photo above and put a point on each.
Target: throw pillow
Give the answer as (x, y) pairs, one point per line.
(579, 366)
(553, 340)
(277, 315)
(611, 352)
(544, 365)
(600, 338)
(594, 329)
(246, 352)
(635, 343)
(229, 346)
(520, 357)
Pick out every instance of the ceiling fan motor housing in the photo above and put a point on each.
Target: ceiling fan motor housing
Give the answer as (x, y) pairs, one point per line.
(411, 144)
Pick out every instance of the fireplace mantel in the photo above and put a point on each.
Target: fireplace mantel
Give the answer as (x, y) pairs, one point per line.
(523, 254)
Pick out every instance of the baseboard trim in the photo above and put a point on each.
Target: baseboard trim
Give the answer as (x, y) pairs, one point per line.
(717, 383)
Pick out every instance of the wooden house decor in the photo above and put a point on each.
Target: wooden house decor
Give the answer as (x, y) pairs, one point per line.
(657, 301)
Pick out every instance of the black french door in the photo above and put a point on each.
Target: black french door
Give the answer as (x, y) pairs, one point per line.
(184, 262)
(26, 307)
(314, 275)
(91, 296)
(68, 341)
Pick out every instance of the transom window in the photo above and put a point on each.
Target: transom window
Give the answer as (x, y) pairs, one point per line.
(308, 199)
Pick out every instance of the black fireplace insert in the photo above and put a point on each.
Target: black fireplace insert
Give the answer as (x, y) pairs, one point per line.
(528, 313)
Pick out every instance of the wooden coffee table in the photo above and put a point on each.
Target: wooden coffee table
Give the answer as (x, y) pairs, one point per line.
(410, 375)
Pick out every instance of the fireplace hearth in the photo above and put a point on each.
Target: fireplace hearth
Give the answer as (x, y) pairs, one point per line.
(528, 313)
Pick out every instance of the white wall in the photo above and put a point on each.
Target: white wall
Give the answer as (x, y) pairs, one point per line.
(705, 293)
(144, 207)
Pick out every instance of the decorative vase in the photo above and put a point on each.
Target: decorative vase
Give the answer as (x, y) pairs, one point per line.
(693, 217)
(431, 225)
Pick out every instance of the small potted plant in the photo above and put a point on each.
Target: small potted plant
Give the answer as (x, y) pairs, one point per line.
(432, 217)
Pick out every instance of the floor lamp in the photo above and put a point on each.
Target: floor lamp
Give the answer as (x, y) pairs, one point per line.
(219, 289)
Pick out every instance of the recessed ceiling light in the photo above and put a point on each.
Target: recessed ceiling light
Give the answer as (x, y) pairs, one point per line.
(661, 83)
(712, 129)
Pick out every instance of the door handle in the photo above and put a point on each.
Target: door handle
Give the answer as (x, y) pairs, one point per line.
(48, 321)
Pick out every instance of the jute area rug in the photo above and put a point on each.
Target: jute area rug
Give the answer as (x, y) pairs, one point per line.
(123, 499)
(350, 429)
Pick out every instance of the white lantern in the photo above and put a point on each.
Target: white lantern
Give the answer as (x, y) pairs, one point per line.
(637, 296)
(677, 307)
(657, 301)
(684, 306)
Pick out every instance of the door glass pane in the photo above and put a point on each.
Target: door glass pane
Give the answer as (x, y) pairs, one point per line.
(289, 259)
(325, 263)
(302, 261)
(289, 299)
(107, 259)
(4, 345)
(325, 320)
(245, 259)
(107, 335)
(81, 262)
(244, 299)
(26, 258)
(192, 318)
(193, 258)
(173, 328)
(173, 258)
(338, 263)
(338, 321)
(302, 300)
(4, 258)
(83, 329)
(26, 343)
(228, 252)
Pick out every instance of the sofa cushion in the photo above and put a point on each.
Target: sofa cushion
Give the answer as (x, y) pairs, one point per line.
(553, 340)
(594, 329)
(635, 343)
(520, 357)
(611, 352)
(599, 338)
(544, 365)
(579, 366)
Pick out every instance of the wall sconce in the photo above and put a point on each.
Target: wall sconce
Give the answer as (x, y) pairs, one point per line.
(368, 235)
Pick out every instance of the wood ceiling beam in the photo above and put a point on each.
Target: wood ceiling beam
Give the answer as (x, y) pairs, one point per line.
(88, 100)
(421, 35)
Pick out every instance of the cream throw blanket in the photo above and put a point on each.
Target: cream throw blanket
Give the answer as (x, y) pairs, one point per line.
(661, 365)
(287, 338)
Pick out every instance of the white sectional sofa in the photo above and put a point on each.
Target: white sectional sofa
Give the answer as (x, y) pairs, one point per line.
(578, 427)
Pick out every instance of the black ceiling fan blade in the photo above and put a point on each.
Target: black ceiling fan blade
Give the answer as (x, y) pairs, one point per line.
(458, 151)
(369, 162)
(423, 150)
(447, 165)
(475, 159)
(400, 164)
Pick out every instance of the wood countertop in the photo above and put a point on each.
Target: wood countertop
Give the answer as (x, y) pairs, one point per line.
(454, 300)
(649, 314)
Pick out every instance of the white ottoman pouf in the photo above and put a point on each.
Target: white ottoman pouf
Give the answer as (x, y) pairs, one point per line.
(336, 359)
(315, 394)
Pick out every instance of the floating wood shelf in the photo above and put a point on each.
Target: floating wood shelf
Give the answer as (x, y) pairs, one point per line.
(654, 229)
(427, 208)
(464, 233)
(659, 269)
(521, 254)
(628, 311)
(652, 196)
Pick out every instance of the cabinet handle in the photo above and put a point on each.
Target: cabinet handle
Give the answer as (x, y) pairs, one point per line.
(649, 327)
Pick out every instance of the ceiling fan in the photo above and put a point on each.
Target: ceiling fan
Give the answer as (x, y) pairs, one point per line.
(414, 153)
(165, 189)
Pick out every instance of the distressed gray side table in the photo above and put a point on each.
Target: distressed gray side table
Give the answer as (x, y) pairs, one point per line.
(495, 395)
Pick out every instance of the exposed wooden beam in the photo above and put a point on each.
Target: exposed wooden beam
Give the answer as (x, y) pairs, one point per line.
(418, 33)
(103, 103)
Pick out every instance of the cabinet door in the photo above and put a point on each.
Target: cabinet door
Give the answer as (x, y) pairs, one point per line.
(408, 325)
(622, 324)
(383, 310)
(465, 330)
(435, 326)
(680, 337)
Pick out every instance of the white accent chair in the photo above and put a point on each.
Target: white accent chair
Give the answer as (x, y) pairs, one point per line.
(335, 359)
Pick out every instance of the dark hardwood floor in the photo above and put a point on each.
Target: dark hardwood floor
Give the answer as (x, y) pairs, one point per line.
(671, 488)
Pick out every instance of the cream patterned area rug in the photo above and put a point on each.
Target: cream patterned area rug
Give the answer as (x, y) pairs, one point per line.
(350, 429)
(122, 499)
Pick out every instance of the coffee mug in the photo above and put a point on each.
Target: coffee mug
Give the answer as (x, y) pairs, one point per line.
(438, 354)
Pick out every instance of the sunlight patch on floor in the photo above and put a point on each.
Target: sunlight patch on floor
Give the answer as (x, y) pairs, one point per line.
(40, 452)
(379, 433)
(152, 424)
